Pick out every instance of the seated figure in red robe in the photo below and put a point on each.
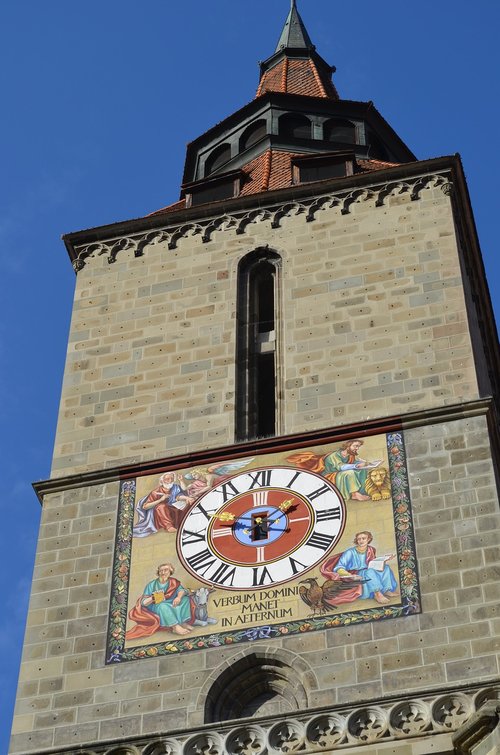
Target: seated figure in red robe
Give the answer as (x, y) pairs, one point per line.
(163, 508)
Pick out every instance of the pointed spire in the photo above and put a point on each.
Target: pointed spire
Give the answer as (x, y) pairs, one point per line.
(295, 67)
(294, 32)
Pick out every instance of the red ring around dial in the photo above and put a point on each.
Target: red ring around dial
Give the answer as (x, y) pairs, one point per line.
(298, 518)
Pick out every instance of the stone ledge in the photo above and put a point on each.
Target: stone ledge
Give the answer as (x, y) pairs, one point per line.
(465, 713)
(410, 420)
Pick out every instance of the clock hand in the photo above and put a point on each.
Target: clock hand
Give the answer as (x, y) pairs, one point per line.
(269, 527)
(284, 507)
(227, 518)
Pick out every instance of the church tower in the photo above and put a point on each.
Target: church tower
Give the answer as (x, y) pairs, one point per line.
(272, 520)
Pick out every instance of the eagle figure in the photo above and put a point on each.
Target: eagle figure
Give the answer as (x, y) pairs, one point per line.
(321, 597)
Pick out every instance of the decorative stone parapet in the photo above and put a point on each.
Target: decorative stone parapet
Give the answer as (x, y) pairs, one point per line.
(341, 728)
(238, 221)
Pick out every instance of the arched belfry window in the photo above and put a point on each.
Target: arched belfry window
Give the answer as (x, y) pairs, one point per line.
(295, 125)
(339, 130)
(217, 158)
(257, 345)
(253, 134)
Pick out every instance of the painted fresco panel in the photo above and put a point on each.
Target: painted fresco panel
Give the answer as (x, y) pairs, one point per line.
(269, 545)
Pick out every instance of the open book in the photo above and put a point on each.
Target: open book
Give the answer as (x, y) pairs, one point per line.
(378, 563)
(368, 465)
(373, 464)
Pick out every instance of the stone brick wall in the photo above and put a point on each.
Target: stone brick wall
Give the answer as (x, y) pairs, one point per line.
(66, 694)
(373, 323)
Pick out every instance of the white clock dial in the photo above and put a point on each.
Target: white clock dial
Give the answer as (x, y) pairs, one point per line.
(262, 527)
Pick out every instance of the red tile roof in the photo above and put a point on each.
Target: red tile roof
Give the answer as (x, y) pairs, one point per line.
(180, 205)
(368, 165)
(291, 76)
(273, 170)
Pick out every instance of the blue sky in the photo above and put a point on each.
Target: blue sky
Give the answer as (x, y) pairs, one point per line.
(99, 100)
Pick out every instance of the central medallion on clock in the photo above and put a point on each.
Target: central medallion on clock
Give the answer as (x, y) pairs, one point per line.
(260, 528)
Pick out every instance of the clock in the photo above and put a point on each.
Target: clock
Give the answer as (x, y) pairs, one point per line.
(260, 528)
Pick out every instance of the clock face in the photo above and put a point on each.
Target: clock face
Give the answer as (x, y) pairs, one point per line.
(262, 527)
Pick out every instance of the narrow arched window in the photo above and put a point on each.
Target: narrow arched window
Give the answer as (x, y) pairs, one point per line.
(296, 126)
(253, 134)
(339, 130)
(257, 345)
(217, 158)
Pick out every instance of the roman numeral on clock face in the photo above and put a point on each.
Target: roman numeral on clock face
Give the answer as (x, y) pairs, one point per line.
(209, 566)
(297, 474)
(220, 533)
(189, 537)
(325, 516)
(228, 491)
(224, 575)
(202, 561)
(261, 479)
(208, 514)
(260, 498)
(297, 566)
(318, 540)
(261, 576)
(320, 491)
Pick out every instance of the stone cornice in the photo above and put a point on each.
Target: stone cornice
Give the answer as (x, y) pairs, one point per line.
(238, 213)
(440, 713)
(435, 415)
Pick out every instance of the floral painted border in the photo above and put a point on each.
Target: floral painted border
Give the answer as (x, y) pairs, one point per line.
(409, 586)
(403, 526)
(121, 571)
